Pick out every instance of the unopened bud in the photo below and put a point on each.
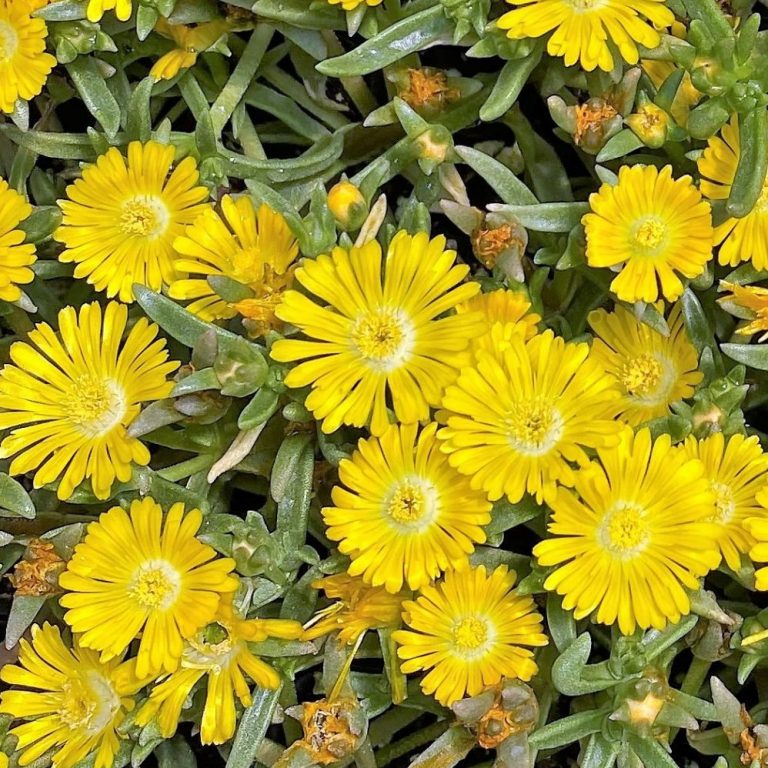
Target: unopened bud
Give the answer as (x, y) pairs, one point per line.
(650, 123)
(347, 204)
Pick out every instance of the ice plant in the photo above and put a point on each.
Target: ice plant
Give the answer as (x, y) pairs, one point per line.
(374, 342)
(518, 418)
(634, 536)
(581, 29)
(651, 226)
(72, 701)
(252, 246)
(469, 631)
(505, 307)
(219, 653)
(737, 471)
(652, 371)
(405, 514)
(143, 573)
(121, 218)
(16, 257)
(356, 608)
(24, 64)
(68, 397)
(742, 239)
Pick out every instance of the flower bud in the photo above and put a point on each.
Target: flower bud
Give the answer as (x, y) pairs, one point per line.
(650, 123)
(347, 205)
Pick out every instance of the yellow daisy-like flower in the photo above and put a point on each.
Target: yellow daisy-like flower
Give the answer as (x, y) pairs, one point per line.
(587, 30)
(517, 419)
(68, 398)
(134, 575)
(358, 607)
(737, 471)
(470, 631)
(15, 256)
(652, 371)
(744, 239)
(76, 704)
(97, 8)
(509, 308)
(24, 64)
(634, 537)
(757, 528)
(254, 248)
(220, 653)
(749, 302)
(652, 227)
(372, 339)
(407, 514)
(189, 43)
(121, 218)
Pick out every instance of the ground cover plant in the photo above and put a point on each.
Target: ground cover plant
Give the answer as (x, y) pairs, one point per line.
(383, 383)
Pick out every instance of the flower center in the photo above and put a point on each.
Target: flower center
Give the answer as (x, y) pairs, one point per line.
(247, 266)
(585, 5)
(649, 235)
(95, 405)
(624, 531)
(155, 585)
(383, 338)
(88, 703)
(725, 504)
(470, 636)
(534, 427)
(212, 648)
(641, 375)
(144, 216)
(412, 504)
(9, 42)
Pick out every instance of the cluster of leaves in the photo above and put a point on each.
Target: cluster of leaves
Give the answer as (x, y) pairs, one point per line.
(297, 96)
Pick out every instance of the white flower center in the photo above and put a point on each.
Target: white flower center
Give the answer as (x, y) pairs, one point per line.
(9, 42)
(212, 648)
(95, 405)
(623, 530)
(534, 427)
(647, 378)
(89, 703)
(383, 338)
(155, 585)
(412, 504)
(472, 635)
(144, 216)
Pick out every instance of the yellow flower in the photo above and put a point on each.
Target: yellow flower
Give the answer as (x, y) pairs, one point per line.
(350, 5)
(121, 218)
(15, 258)
(371, 340)
(220, 653)
(255, 249)
(754, 300)
(757, 528)
(77, 702)
(470, 631)
(583, 28)
(652, 371)
(358, 608)
(517, 419)
(68, 398)
(509, 308)
(133, 575)
(96, 9)
(407, 514)
(737, 471)
(744, 239)
(24, 64)
(189, 43)
(634, 537)
(651, 226)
